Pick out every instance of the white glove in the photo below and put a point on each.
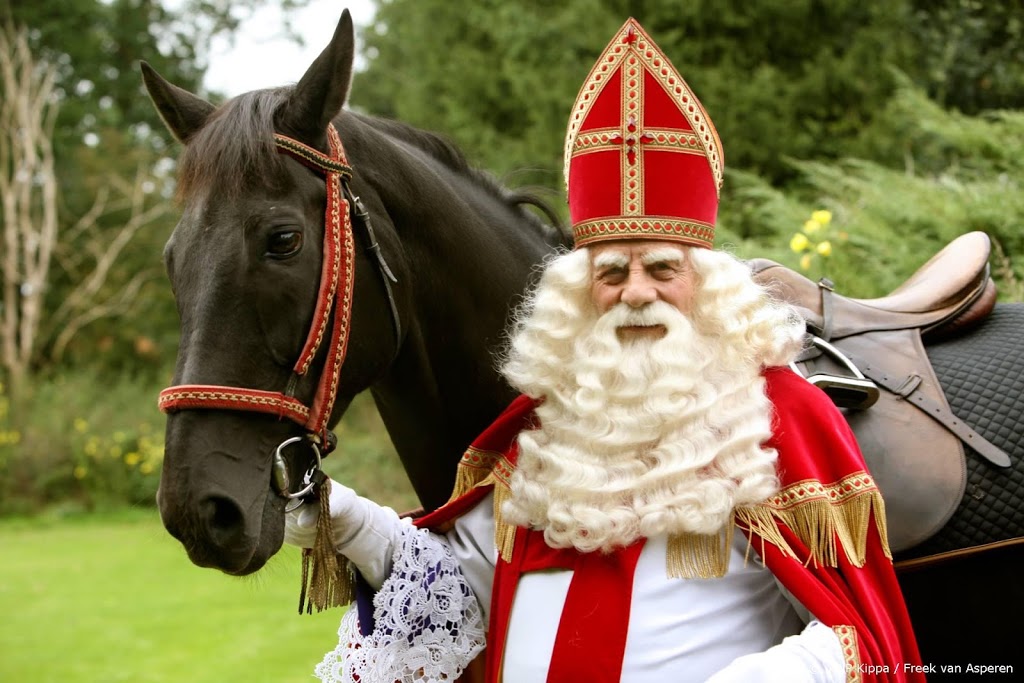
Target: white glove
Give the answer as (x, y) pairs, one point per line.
(300, 524)
(815, 655)
(364, 532)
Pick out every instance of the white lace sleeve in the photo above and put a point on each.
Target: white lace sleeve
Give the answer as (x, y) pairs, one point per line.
(427, 623)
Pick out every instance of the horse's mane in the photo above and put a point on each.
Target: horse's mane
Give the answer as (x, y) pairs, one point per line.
(237, 143)
(445, 151)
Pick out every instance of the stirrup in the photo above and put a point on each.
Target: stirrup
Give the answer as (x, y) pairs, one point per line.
(856, 392)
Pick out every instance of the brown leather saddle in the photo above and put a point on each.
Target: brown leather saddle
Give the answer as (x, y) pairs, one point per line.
(868, 355)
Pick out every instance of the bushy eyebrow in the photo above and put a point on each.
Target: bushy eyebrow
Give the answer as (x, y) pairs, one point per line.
(662, 255)
(611, 259)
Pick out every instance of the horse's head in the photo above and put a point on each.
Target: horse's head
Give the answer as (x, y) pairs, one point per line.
(258, 327)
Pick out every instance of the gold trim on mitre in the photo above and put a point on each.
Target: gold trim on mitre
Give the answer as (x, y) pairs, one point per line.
(632, 40)
(646, 227)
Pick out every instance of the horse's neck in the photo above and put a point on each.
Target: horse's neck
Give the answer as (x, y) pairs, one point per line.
(469, 257)
(433, 413)
(443, 389)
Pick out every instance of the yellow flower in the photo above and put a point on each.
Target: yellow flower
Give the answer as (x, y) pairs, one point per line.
(805, 262)
(146, 467)
(81, 425)
(824, 248)
(799, 242)
(80, 472)
(132, 459)
(812, 226)
(823, 217)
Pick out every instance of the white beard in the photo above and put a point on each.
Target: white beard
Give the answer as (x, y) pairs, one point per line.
(639, 438)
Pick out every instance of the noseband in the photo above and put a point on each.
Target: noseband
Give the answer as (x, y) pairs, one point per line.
(337, 278)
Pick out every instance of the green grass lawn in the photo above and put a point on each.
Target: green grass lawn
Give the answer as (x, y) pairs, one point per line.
(99, 600)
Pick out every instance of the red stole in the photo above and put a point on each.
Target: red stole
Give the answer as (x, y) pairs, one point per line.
(591, 638)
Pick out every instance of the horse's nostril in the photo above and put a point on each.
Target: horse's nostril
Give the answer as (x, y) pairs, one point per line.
(222, 516)
(221, 539)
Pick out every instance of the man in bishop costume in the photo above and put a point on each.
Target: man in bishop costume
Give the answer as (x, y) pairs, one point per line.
(666, 500)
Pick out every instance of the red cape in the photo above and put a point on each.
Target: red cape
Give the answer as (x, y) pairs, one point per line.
(822, 535)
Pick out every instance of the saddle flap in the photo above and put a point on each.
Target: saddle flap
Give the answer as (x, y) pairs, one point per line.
(919, 465)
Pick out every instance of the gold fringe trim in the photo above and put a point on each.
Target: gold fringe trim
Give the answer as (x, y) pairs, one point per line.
(699, 556)
(465, 480)
(504, 533)
(826, 518)
(488, 468)
(475, 467)
(820, 516)
(328, 579)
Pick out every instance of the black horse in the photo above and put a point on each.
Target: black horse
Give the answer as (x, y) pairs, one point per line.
(439, 257)
(244, 264)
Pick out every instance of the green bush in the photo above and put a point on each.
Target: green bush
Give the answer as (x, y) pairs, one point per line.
(87, 441)
(950, 175)
(84, 441)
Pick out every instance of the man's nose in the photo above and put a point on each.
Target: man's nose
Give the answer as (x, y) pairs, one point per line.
(638, 292)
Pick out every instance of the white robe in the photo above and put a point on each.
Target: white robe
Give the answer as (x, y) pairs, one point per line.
(736, 629)
(696, 626)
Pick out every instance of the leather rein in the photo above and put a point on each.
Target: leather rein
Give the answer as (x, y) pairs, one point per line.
(337, 278)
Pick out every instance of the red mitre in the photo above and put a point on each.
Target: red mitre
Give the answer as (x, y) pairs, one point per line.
(642, 157)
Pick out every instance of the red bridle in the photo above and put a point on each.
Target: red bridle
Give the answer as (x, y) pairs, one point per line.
(336, 283)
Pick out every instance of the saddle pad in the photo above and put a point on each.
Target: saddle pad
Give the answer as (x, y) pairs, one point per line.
(982, 374)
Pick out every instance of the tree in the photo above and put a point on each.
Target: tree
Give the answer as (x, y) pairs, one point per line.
(500, 77)
(972, 53)
(782, 79)
(28, 189)
(104, 143)
(31, 225)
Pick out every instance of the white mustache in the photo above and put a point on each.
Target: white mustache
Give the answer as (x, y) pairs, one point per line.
(655, 313)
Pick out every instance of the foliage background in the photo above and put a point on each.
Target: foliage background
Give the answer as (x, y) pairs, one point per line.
(902, 118)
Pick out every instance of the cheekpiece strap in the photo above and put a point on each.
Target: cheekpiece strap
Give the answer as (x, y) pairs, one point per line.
(334, 303)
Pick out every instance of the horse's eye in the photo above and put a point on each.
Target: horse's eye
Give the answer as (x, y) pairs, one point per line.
(284, 244)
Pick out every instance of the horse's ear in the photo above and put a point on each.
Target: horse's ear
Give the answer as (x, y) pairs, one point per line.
(321, 92)
(183, 113)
